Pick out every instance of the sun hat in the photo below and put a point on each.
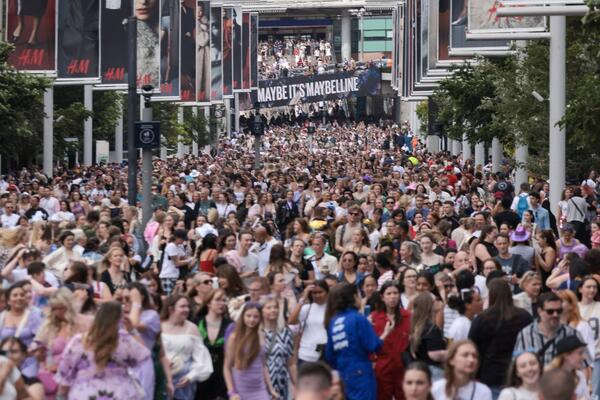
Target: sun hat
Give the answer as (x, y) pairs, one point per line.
(520, 234)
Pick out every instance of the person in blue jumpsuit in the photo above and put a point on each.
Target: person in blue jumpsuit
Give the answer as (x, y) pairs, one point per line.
(350, 340)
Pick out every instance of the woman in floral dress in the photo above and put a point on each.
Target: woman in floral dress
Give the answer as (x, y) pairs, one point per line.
(95, 365)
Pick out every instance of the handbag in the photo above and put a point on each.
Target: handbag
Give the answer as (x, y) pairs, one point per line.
(298, 337)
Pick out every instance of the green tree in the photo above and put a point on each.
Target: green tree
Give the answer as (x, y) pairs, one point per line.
(21, 110)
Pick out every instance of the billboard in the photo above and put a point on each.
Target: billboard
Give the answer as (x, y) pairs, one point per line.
(170, 51)
(31, 28)
(148, 43)
(482, 18)
(246, 51)
(459, 44)
(254, 51)
(203, 75)
(113, 42)
(188, 51)
(315, 88)
(227, 52)
(78, 41)
(216, 54)
(237, 48)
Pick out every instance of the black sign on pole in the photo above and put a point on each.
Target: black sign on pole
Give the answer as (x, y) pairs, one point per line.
(258, 128)
(147, 135)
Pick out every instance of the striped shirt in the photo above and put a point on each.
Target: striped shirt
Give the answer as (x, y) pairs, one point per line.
(531, 338)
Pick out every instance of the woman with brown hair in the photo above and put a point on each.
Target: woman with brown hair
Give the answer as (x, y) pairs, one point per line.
(572, 317)
(459, 375)
(95, 364)
(190, 359)
(110, 269)
(245, 368)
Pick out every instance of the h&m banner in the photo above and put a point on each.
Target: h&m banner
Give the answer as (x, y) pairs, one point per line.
(227, 52)
(254, 51)
(170, 50)
(203, 75)
(216, 54)
(237, 48)
(148, 43)
(78, 41)
(246, 51)
(113, 42)
(188, 51)
(314, 88)
(31, 27)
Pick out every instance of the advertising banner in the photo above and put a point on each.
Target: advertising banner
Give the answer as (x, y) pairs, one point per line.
(203, 75)
(31, 28)
(395, 38)
(188, 51)
(246, 51)
(459, 44)
(237, 48)
(170, 50)
(483, 18)
(227, 52)
(254, 51)
(216, 54)
(78, 41)
(314, 88)
(113, 42)
(148, 43)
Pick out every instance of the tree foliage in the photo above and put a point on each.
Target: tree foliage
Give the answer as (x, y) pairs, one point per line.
(493, 98)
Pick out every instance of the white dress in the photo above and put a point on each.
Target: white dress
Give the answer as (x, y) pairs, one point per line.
(188, 356)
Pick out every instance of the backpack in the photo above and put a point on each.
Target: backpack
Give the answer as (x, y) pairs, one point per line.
(522, 205)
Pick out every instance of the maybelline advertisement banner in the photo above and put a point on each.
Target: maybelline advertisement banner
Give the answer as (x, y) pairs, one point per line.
(31, 28)
(483, 18)
(314, 88)
(203, 76)
(170, 48)
(113, 42)
(227, 52)
(78, 41)
(147, 13)
(188, 51)
(216, 54)
(254, 51)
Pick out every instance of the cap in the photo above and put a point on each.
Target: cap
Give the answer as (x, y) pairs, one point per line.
(568, 344)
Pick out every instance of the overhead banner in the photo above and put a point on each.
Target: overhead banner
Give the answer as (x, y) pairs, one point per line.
(227, 52)
(31, 28)
(483, 18)
(78, 41)
(444, 16)
(216, 54)
(459, 45)
(315, 88)
(254, 51)
(237, 48)
(113, 42)
(170, 50)
(246, 51)
(203, 75)
(188, 51)
(148, 43)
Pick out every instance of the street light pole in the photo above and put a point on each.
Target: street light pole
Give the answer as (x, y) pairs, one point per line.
(362, 36)
(257, 131)
(131, 104)
(147, 161)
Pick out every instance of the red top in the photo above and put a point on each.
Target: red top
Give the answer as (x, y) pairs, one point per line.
(390, 356)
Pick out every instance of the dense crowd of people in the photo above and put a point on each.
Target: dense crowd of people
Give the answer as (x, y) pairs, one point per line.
(293, 57)
(353, 265)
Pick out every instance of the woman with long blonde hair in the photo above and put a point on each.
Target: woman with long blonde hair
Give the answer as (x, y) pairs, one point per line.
(60, 325)
(459, 375)
(570, 357)
(11, 241)
(111, 269)
(95, 364)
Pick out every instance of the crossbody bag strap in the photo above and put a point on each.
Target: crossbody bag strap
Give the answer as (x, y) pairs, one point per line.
(578, 210)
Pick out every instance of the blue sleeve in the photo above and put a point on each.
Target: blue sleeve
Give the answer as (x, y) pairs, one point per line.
(367, 336)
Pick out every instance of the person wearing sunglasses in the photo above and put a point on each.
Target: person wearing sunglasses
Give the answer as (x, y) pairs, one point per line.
(544, 333)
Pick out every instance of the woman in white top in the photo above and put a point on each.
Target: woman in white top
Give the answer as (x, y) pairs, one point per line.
(570, 357)
(523, 378)
(468, 304)
(572, 317)
(224, 207)
(310, 315)
(590, 311)
(408, 280)
(190, 360)
(59, 260)
(459, 382)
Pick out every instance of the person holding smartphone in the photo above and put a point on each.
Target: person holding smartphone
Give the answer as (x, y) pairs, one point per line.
(310, 315)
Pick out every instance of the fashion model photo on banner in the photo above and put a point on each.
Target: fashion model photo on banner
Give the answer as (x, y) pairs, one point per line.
(203, 51)
(147, 13)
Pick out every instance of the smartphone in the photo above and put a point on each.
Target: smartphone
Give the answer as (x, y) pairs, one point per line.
(367, 311)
